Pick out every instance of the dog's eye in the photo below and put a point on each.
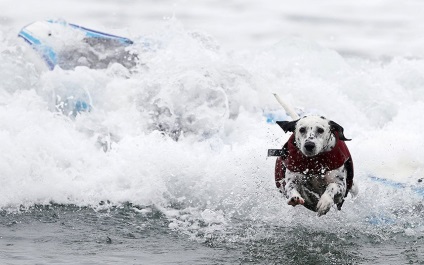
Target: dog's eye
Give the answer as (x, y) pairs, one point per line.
(320, 130)
(302, 130)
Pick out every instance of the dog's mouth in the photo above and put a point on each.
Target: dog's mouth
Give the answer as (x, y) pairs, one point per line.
(309, 149)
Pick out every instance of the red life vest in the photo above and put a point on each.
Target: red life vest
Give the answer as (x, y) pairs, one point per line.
(293, 160)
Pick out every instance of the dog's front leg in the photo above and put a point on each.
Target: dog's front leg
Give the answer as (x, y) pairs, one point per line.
(335, 188)
(292, 194)
(326, 200)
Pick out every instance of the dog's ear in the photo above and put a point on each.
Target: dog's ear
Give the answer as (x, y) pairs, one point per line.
(336, 127)
(287, 126)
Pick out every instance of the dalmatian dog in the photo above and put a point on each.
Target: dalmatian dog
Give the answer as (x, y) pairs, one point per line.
(315, 168)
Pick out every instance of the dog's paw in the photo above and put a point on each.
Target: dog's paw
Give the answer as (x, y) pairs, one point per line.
(354, 190)
(324, 204)
(295, 200)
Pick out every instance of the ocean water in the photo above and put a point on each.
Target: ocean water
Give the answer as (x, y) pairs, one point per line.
(170, 166)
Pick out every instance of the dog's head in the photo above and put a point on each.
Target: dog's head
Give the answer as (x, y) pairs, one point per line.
(313, 134)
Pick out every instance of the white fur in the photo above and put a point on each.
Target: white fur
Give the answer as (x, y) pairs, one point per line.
(316, 192)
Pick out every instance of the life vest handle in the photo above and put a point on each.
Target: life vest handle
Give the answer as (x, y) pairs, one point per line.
(276, 152)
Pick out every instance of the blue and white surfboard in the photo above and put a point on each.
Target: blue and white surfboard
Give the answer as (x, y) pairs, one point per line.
(65, 45)
(417, 188)
(69, 45)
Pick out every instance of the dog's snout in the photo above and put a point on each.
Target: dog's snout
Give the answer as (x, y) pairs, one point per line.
(309, 146)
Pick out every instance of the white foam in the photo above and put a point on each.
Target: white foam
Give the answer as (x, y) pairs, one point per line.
(212, 101)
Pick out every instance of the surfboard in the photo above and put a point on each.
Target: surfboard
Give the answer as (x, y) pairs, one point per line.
(417, 188)
(69, 45)
(66, 45)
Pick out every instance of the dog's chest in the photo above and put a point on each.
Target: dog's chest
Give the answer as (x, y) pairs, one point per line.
(315, 183)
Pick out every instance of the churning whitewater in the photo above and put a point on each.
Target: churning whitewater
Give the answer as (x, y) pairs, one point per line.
(184, 134)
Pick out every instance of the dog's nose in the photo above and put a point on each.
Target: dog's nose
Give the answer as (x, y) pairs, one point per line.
(309, 146)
